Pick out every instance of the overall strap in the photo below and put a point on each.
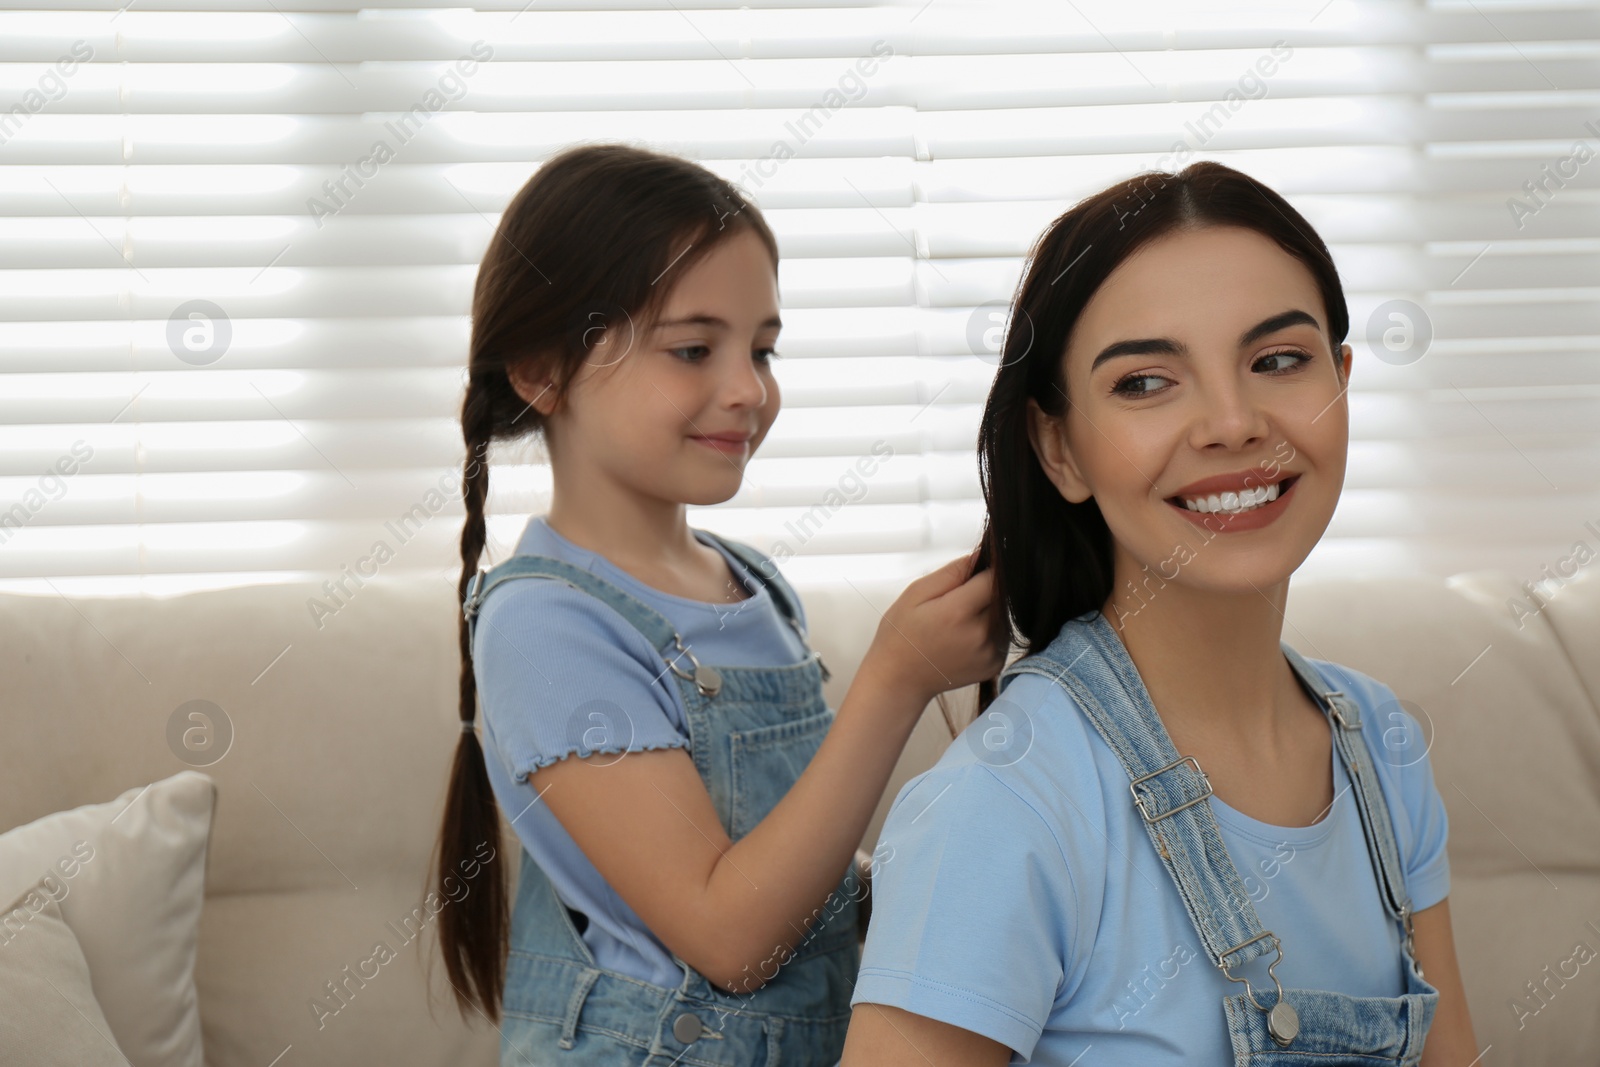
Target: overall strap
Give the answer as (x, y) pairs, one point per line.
(788, 601)
(1089, 661)
(655, 627)
(758, 564)
(1376, 816)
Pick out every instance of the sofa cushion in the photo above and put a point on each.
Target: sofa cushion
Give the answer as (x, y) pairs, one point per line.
(329, 795)
(131, 878)
(51, 1018)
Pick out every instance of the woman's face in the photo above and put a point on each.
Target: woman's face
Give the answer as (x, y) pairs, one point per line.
(640, 412)
(1201, 370)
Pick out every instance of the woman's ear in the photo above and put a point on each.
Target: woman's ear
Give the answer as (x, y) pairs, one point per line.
(1345, 362)
(531, 379)
(1048, 435)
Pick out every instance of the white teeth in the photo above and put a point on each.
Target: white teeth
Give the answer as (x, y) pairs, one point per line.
(1233, 503)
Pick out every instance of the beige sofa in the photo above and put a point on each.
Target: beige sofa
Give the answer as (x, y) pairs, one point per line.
(329, 796)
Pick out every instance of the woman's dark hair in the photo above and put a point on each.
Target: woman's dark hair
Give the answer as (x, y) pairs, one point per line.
(1052, 558)
(588, 249)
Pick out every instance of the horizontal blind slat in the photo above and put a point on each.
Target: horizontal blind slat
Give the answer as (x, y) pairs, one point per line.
(1406, 134)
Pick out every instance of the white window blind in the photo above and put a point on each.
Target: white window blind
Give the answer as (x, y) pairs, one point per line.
(232, 337)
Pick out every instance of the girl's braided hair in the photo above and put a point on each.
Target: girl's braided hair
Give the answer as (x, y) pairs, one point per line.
(586, 252)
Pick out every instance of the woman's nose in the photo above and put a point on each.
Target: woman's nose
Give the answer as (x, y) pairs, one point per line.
(1229, 413)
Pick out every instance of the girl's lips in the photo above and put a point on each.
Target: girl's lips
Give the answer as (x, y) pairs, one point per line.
(1254, 519)
(722, 444)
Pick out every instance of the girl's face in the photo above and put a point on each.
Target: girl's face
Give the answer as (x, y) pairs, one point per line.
(646, 410)
(1202, 367)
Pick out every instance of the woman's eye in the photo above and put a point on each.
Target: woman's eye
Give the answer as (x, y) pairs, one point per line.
(767, 355)
(1122, 387)
(1126, 386)
(689, 348)
(1300, 358)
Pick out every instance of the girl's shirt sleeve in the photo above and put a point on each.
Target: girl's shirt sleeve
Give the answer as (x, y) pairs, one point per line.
(561, 673)
(974, 908)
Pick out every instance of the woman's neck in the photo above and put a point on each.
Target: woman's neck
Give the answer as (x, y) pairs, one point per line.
(1212, 662)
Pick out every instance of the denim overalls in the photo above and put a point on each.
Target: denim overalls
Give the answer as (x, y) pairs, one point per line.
(1285, 1026)
(752, 731)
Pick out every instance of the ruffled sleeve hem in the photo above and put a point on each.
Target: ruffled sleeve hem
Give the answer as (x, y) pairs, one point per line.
(527, 767)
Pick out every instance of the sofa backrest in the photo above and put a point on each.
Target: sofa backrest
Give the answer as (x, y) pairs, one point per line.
(343, 724)
(329, 794)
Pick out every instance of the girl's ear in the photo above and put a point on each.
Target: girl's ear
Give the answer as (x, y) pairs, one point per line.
(531, 379)
(1048, 435)
(1345, 362)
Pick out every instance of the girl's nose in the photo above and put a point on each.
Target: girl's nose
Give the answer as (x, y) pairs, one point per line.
(741, 384)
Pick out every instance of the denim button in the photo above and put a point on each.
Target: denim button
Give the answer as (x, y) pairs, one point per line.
(686, 1027)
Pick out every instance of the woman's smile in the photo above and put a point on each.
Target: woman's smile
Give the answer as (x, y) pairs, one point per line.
(1236, 512)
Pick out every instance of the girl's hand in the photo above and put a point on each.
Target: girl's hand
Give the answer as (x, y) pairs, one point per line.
(935, 636)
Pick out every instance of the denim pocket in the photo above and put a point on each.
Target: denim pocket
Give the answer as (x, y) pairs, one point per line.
(766, 761)
(1335, 1028)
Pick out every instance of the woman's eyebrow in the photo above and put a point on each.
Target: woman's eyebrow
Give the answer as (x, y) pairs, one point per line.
(1166, 346)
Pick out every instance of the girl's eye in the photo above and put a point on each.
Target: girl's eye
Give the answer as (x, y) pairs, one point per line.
(1123, 388)
(762, 355)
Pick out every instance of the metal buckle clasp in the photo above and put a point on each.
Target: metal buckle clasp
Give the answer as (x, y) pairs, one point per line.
(706, 678)
(1283, 1022)
(1353, 722)
(1139, 800)
(1411, 945)
(474, 595)
(795, 624)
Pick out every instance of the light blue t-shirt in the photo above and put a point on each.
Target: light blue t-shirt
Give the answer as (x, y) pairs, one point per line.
(1028, 904)
(554, 666)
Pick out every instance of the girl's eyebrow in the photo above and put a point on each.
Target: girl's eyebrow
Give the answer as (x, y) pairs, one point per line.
(1166, 346)
(714, 322)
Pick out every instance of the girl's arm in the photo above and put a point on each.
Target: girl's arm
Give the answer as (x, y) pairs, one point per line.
(1450, 1041)
(733, 910)
(894, 1037)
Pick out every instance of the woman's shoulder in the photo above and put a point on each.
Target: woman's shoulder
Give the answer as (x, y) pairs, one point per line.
(965, 809)
(1034, 723)
(1399, 732)
(1350, 680)
(1026, 763)
(1006, 831)
(1399, 737)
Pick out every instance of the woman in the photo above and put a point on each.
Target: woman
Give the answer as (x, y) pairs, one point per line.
(1167, 802)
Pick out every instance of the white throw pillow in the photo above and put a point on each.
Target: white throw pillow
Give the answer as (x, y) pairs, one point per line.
(51, 1018)
(131, 874)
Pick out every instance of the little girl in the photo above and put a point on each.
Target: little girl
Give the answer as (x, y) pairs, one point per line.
(1172, 839)
(654, 726)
